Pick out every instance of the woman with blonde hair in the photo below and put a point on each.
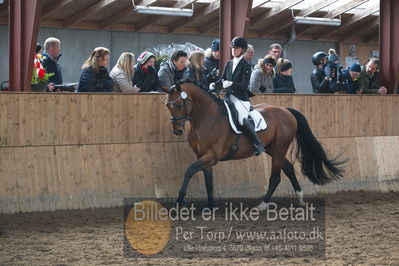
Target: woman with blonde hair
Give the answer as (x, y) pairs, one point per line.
(283, 82)
(122, 74)
(195, 71)
(262, 77)
(94, 77)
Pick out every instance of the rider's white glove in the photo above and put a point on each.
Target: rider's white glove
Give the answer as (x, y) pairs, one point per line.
(227, 84)
(212, 86)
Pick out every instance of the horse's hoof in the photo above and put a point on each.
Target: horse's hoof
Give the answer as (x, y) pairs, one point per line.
(299, 195)
(301, 203)
(261, 207)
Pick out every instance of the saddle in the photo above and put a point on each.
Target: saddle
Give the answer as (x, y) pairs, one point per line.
(254, 117)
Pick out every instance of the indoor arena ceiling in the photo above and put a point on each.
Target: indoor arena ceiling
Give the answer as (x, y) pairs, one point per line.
(268, 19)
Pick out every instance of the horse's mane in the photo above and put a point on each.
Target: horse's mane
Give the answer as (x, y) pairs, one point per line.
(207, 93)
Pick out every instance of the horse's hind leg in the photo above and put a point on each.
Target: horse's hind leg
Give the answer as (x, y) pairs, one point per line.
(289, 171)
(208, 174)
(275, 178)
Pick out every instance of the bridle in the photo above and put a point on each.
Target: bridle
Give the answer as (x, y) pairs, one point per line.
(185, 117)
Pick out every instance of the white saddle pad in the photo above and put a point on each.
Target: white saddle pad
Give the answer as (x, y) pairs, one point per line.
(260, 123)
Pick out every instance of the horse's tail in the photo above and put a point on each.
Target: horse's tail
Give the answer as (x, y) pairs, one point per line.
(315, 163)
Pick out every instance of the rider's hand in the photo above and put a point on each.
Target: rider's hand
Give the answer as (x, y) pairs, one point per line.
(227, 84)
(212, 86)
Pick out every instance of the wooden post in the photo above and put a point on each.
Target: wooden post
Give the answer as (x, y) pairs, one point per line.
(389, 43)
(24, 25)
(234, 18)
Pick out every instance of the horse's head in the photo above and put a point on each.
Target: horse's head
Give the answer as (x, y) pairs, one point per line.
(180, 108)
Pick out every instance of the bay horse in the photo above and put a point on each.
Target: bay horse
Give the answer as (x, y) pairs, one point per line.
(211, 139)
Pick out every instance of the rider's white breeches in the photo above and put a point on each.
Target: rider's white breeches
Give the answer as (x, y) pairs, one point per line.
(242, 107)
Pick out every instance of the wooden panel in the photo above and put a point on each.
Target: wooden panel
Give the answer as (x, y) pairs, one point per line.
(88, 176)
(69, 151)
(66, 119)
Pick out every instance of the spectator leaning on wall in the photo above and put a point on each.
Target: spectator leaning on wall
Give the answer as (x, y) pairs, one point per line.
(369, 79)
(171, 71)
(50, 57)
(95, 77)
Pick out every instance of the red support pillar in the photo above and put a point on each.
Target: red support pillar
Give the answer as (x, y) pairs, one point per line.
(233, 21)
(24, 25)
(389, 43)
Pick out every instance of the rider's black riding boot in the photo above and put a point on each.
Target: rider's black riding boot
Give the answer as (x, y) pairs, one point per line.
(249, 131)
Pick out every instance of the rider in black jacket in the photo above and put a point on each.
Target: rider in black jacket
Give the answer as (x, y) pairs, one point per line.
(235, 79)
(318, 77)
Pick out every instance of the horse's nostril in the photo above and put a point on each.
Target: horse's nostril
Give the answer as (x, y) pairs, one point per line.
(178, 132)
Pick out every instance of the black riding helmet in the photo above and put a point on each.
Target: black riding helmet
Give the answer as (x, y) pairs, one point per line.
(239, 42)
(317, 57)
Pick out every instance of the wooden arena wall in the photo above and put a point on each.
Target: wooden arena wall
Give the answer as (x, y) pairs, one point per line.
(75, 151)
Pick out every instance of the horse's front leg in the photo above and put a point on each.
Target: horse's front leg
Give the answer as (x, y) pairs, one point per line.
(199, 165)
(208, 174)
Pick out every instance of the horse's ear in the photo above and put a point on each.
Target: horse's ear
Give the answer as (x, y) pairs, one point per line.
(171, 90)
(178, 87)
(165, 89)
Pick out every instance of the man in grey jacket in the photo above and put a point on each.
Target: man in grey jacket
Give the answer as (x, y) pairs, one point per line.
(171, 71)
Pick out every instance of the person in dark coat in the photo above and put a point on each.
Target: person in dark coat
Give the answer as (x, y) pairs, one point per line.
(95, 77)
(283, 81)
(50, 57)
(145, 75)
(318, 78)
(211, 63)
(235, 79)
(195, 71)
(349, 80)
(333, 70)
(369, 79)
